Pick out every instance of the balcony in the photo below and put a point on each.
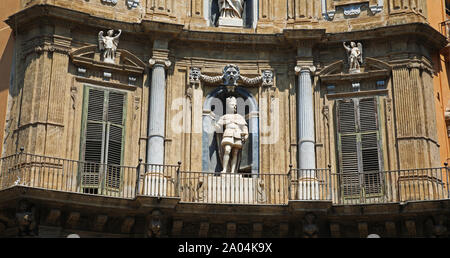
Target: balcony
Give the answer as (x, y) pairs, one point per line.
(445, 30)
(169, 181)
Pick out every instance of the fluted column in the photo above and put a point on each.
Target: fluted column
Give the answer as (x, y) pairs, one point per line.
(305, 122)
(156, 113)
(308, 184)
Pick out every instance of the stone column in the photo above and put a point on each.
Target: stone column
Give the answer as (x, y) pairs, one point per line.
(307, 188)
(156, 112)
(155, 184)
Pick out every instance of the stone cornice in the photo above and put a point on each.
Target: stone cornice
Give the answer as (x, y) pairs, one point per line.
(423, 32)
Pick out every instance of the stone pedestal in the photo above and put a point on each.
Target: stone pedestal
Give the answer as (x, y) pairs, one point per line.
(231, 22)
(155, 184)
(231, 188)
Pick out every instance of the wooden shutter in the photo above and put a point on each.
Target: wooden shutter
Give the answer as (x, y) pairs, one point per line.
(103, 139)
(369, 145)
(348, 147)
(115, 138)
(94, 144)
(358, 145)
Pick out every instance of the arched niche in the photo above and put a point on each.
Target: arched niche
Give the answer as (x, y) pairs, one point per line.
(212, 111)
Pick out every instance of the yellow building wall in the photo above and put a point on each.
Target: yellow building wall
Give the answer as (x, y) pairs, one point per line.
(6, 56)
(437, 15)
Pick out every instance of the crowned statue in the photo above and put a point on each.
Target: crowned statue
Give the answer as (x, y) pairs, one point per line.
(234, 136)
(108, 44)
(230, 12)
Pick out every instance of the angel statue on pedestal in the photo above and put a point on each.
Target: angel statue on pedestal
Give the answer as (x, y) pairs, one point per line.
(354, 53)
(234, 136)
(108, 44)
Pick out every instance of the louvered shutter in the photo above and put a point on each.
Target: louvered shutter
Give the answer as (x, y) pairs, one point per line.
(348, 147)
(358, 136)
(115, 138)
(94, 144)
(369, 145)
(103, 146)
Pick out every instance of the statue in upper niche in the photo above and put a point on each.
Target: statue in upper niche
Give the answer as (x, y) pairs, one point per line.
(108, 44)
(354, 52)
(231, 8)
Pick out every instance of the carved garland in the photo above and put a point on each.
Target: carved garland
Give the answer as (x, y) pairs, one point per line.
(231, 77)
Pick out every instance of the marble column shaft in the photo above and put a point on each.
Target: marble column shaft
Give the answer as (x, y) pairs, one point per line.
(156, 116)
(305, 122)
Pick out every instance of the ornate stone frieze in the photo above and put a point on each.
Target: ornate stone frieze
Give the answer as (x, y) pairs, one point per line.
(232, 77)
(351, 10)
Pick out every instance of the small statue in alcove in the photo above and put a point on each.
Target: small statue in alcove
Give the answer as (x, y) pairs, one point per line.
(234, 135)
(108, 44)
(355, 59)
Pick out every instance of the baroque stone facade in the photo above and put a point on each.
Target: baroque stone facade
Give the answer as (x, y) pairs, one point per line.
(338, 98)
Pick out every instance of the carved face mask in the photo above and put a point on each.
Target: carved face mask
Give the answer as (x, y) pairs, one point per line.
(231, 75)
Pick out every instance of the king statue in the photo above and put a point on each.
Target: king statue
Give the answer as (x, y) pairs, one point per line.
(234, 135)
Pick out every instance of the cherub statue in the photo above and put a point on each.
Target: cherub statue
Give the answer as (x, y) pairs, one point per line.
(231, 8)
(234, 136)
(354, 53)
(108, 44)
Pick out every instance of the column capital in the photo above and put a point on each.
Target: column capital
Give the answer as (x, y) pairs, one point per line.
(305, 68)
(159, 62)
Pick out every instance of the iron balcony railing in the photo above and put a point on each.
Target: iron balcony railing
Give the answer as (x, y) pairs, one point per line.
(215, 188)
(445, 28)
(66, 175)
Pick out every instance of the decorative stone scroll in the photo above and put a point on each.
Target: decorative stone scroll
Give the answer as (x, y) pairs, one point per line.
(231, 78)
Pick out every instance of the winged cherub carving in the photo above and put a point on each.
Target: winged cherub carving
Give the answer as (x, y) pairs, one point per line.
(108, 44)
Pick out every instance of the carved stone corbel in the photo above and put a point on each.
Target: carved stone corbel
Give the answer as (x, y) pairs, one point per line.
(204, 228)
(127, 225)
(155, 224)
(26, 219)
(99, 222)
(310, 228)
(231, 230)
(53, 217)
(363, 229)
(72, 219)
(335, 230)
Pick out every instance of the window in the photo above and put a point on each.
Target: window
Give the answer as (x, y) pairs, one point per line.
(102, 143)
(359, 147)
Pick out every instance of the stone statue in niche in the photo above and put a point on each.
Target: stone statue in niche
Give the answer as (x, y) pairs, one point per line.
(108, 45)
(354, 52)
(230, 12)
(234, 136)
